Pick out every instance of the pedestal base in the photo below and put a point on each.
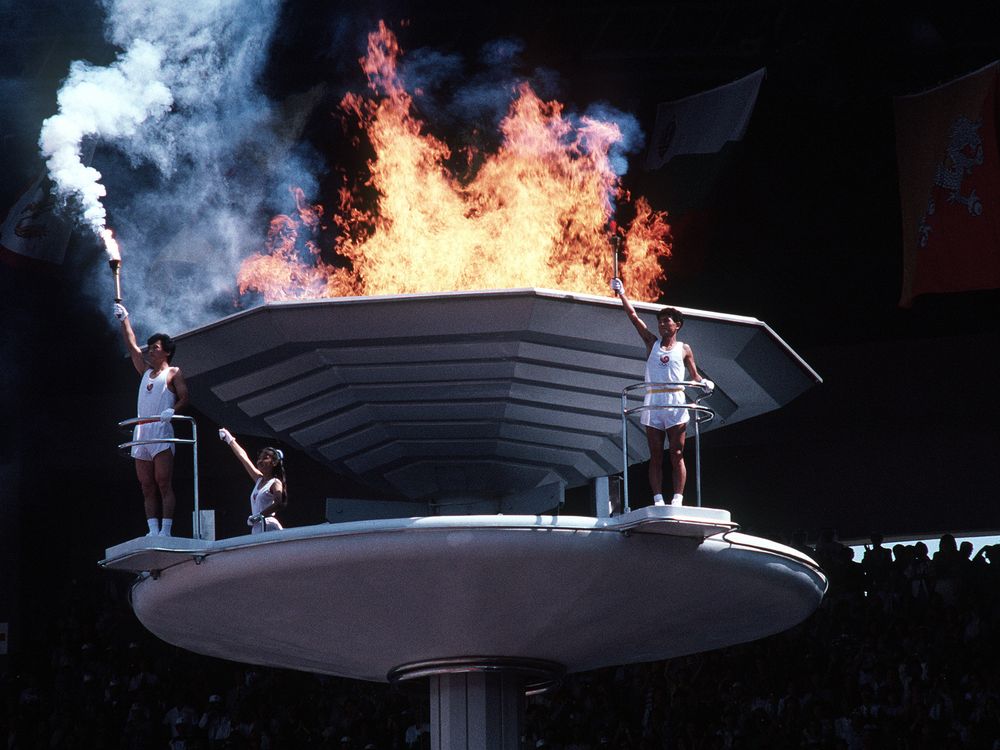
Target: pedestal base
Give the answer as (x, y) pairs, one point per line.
(479, 702)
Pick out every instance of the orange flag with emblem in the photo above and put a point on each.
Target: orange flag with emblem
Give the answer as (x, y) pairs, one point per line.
(949, 185)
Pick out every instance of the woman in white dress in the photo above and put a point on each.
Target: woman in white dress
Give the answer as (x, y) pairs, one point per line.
(270, 488)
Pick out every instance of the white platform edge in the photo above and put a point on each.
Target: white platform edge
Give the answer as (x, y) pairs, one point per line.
(153, 554)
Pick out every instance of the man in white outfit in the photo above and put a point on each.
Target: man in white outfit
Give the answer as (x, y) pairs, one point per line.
(666, 360)
(162, 393)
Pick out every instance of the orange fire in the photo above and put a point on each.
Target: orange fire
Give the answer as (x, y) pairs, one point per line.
(534, 214)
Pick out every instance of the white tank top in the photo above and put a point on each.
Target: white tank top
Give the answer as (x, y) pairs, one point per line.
(154, 397)
(666, 366)
(261, 496)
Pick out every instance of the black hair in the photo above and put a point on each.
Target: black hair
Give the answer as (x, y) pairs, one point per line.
(279, 472)
(168, 344)
(673, 313)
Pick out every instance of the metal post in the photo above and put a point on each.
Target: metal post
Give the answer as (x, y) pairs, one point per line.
(697, 460)
(194, 451)
(625, 505)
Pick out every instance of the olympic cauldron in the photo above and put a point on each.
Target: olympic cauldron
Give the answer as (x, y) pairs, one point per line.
(465, 396)
(480, 408)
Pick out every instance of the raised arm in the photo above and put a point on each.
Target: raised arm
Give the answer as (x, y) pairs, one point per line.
(241, 455)
(129, 336)
(648, 337)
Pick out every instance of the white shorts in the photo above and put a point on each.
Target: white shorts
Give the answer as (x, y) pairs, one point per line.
(151, 431)
(664, 417)
(147, 451)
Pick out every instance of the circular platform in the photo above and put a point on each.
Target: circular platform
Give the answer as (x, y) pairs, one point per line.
(362, 599)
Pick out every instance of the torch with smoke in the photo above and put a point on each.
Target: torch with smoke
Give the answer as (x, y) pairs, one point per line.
(114, 260)
(104, 103)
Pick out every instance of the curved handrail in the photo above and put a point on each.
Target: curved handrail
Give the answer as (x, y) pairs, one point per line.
(701, 413)
(192, 441)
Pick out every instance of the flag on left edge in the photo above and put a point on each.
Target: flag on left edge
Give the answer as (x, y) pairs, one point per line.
(33, 234)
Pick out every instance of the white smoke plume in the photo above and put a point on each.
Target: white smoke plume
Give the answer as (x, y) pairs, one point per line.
(109, 103)
(190, 153)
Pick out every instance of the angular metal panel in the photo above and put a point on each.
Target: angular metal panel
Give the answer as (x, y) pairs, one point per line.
(439, 394)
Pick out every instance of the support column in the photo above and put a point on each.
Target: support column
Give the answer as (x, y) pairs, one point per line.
(607, 494)
(476, 710)
(602, 497)
(479, 703)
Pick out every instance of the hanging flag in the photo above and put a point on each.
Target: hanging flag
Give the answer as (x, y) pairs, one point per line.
(33, 233)
(705, 122)
(693, 144)
(949, 186)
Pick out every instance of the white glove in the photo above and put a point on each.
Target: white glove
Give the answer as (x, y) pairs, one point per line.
(616, 286)
(225, 436)
(708, 385)
(255, 519)
(166, 415)
(120, 312)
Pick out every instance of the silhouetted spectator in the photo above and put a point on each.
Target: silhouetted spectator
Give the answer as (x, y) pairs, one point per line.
(877, 565)
(918, 573)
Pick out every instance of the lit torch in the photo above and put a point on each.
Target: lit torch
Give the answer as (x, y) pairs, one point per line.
(615, 242)
(114, 260)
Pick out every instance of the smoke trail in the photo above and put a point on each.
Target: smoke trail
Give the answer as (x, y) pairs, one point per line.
(109, 103)
(631, 139)
(190, 151)
(450, 94)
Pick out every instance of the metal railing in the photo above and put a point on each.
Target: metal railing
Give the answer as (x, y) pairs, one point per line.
(192, 441)
(700, 413)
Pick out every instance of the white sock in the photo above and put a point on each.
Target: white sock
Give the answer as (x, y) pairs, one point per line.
(658, 499)
(154, 525)
(677, 499)
(167, 523)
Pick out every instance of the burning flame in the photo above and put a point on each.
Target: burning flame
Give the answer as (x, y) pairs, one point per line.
(535, 213)
(110, 244)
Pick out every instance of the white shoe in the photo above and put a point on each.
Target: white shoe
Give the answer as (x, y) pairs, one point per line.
(153, 533)
(163, 532)
(677, 500)
(658, 502)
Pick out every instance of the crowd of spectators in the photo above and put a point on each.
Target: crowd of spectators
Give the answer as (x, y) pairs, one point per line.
(902, 653)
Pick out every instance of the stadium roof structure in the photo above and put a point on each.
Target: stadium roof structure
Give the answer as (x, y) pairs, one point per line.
(466, 393)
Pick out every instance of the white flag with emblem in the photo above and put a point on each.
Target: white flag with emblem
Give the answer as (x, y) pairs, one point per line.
(33, 231)
(705, 122)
